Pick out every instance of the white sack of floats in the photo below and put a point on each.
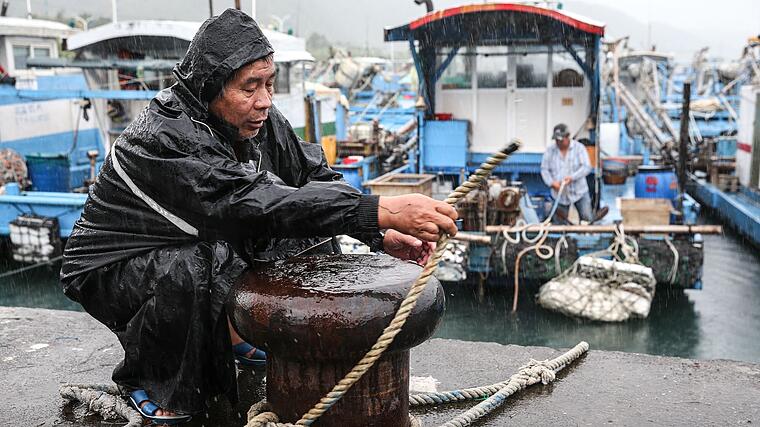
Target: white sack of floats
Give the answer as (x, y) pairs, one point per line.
(601, 289)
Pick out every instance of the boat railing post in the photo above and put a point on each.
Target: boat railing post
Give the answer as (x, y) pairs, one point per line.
(683, 141)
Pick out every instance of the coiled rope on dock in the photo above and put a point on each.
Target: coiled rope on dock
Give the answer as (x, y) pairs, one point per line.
(105, 399)
(390, 332)
(532, 373)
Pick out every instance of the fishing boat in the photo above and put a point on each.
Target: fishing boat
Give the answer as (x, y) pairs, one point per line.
(49, 139)
(378, 118)
(643, 102)
(139, 56)
(493, 72)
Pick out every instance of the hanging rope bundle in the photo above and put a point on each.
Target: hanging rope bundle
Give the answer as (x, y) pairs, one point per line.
(543, 251)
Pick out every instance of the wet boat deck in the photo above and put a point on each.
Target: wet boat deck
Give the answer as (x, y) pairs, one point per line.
(45, 348)
(740, 210)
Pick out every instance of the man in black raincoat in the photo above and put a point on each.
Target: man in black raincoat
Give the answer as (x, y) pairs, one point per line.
(209, 179)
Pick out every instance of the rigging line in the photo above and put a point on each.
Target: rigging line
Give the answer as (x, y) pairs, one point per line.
(30, 267)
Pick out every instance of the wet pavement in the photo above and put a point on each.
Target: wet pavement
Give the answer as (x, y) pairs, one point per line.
(41, 349)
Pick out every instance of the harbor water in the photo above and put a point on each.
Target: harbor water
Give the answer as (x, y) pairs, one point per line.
(721, 321)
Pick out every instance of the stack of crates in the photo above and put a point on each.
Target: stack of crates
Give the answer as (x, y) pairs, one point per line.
(35, 238)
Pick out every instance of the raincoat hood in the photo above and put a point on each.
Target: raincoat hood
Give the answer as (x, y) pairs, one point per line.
(222, 45)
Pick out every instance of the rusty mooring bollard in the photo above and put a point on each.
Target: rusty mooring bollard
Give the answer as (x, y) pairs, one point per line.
(317, 316)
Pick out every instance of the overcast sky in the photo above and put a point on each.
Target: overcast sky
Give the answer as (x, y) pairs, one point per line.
(677, 26)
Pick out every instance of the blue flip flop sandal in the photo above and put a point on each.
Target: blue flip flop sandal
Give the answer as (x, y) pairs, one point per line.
(259, 359)
(148, 410)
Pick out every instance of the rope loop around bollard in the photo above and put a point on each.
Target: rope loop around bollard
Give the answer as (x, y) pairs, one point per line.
(390, 332)
(491, 396)
(260, 414)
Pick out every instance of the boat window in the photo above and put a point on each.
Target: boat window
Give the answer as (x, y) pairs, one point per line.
(565, 71)
(458, 74)
(282, 81)
(492, 68)
(20, 54)
(531, 70)
(42, 52)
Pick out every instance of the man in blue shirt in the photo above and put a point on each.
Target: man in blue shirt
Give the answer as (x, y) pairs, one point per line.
(566, 162)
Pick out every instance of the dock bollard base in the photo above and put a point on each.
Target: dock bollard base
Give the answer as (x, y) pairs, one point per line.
(380, 398)
(317, 316)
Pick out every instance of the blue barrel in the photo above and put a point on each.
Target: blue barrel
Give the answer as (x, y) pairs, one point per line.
(352, 174)
(49, 171)
(656, 182)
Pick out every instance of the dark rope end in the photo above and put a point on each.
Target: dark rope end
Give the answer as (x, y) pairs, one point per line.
(513, 146)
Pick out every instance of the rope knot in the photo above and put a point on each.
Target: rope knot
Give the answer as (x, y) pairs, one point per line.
(538, 370)
(260, 415)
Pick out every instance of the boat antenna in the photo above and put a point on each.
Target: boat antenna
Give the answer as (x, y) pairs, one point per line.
(4, 7)
(428, 4)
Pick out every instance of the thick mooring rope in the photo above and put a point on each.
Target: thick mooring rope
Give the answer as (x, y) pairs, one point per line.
(532, 373)
(105, 399)
(543, 251)
(495, 394)
(390, 332)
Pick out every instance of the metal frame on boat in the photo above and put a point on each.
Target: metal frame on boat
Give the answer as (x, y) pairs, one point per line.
(499, 71)
(491, 72)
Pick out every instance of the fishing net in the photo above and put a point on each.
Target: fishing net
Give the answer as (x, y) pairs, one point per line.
(608, 290)
(13, 168)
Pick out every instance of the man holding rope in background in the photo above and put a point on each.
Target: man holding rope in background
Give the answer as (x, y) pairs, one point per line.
(564, 167)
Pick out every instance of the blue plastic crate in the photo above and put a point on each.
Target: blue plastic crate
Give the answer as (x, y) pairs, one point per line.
(49, 172)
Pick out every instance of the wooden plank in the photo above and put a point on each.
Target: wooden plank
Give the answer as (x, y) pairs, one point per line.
(475, 238)
(639, 229)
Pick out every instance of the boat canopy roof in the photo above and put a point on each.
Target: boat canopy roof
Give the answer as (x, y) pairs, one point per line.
(635, 56)
(170, 39)
(498, 24)
(34, 28)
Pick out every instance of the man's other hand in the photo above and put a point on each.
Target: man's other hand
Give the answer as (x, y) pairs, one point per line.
(556, 185)
(417, 215)
(406, 247)
(567, 180)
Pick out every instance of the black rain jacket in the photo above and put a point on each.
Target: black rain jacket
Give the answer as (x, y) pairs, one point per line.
(183, 158)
